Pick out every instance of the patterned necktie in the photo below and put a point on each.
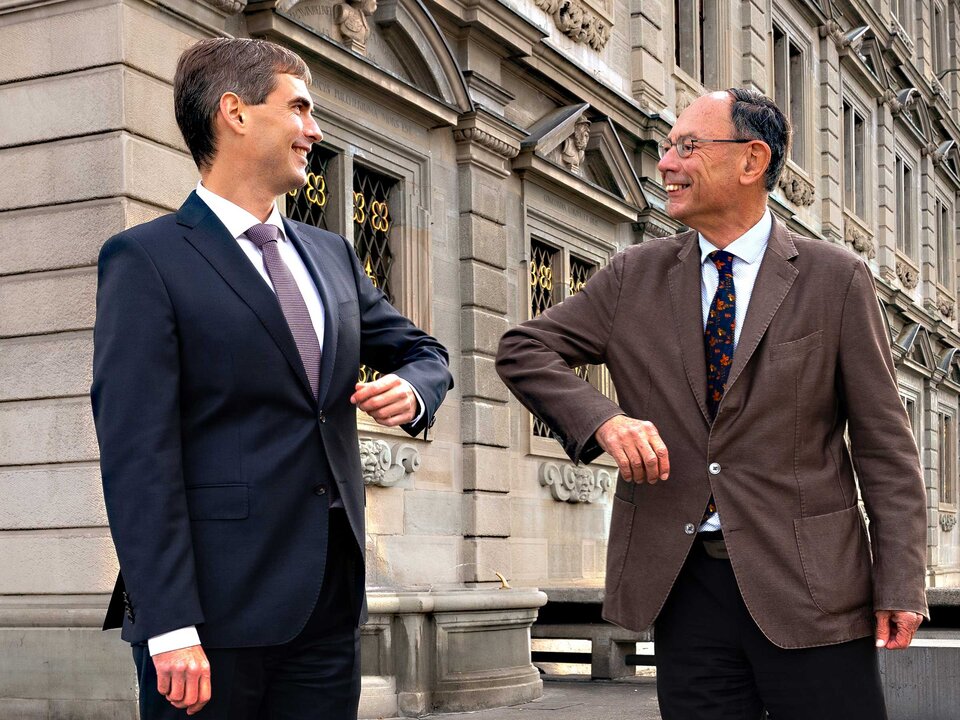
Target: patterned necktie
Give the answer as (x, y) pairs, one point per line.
(294, 308)
(718, 337)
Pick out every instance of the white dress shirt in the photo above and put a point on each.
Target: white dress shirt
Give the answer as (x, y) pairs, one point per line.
(238, 221)
(747, 251)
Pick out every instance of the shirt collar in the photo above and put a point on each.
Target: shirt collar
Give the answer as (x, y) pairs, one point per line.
(748, 247)
(235, 218)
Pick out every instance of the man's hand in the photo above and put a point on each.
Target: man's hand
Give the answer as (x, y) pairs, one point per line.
(637, 448)
(390, 400)
(895, 628)
(183, 677)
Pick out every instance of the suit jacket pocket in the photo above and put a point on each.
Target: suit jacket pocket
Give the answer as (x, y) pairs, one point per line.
(218, 502)
(836, 559)
(796, 348)
(618, 544)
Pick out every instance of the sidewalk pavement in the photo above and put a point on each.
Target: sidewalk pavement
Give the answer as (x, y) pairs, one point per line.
(579, 699)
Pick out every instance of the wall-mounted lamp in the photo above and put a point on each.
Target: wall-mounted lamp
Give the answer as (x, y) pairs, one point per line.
(944, 73)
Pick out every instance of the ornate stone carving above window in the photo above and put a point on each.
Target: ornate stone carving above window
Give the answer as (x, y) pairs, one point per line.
(486, 140)
(946, 306)
(907, 275)
(230, 7)
(948, 521)
(578, 21)
(575, 483)
(797, 188)
(384, 464)
(352, 21)
(859, 240)
(572, 151)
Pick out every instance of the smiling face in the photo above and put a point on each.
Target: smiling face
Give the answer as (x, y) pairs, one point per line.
(703, 190)
(281, 131)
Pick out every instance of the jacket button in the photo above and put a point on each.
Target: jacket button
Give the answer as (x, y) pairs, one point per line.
(322, 418)
(689, 528)
(714, 468)
(319, 490)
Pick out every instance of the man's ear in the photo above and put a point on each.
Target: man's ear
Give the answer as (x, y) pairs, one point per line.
(231, 112)
(756, 160)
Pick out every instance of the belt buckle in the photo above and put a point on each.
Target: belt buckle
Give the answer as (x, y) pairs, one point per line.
(716, 549)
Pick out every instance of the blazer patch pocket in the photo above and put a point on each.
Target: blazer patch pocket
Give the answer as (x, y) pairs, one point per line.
(836, 560)
(218, 502)
(795, 348)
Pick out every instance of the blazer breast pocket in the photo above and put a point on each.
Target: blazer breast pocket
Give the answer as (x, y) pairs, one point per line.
(218, 502)
(796, 348)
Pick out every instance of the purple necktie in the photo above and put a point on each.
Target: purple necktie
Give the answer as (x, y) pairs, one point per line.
(294, 308)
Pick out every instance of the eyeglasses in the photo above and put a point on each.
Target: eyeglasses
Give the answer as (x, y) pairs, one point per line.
(686, 145)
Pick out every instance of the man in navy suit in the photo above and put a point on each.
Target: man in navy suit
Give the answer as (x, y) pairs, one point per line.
(226, 352)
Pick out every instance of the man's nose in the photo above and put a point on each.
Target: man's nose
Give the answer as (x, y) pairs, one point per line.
(312, 130)
(668, 161)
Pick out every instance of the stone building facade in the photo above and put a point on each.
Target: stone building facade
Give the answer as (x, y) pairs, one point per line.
(485, 157)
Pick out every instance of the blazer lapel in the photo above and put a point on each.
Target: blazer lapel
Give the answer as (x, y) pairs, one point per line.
(684, 278)
(310, 252)
(206, 233)
(774, 281)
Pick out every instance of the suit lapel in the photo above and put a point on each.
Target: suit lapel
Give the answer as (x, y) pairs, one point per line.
(310, 252)
(684, 278)
(774, 281)
(206, 233)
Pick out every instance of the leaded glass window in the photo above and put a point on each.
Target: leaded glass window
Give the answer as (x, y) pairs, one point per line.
(309, 203)
(556, 274)
(372, 225)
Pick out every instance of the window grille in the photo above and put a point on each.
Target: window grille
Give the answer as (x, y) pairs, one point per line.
(372, 225)
(309, 203)
(544, 266)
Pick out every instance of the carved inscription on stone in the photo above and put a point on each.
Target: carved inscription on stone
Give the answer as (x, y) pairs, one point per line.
(578, 21)
(385, 465)
(575, 483)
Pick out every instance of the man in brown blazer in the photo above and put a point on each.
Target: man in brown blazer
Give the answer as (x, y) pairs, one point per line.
(736, 530)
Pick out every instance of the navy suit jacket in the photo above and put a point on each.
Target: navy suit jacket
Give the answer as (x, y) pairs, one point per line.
(212, 447)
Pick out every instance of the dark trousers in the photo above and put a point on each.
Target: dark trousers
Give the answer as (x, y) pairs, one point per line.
(713, 661)
(315, 675)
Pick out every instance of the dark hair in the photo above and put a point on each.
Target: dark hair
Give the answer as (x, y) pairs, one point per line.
(212, 67)
(757, 117)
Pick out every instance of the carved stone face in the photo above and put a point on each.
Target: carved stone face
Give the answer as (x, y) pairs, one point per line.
(368, 7)
(581, 134)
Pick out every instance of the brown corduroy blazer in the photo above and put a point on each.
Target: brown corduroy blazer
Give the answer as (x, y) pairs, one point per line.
(813, 360)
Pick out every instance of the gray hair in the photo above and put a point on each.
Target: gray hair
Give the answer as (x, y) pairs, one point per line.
(757, 117)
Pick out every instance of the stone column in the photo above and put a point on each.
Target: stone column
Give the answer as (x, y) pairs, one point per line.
(485, 145)
(831, 134)
(649, 21)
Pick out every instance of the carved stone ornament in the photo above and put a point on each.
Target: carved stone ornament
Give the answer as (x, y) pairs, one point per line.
(948, 521)
(946, 306)
(797, 188)
(574, 148)
(859, 240)
(351, 18)
(832, 30)
(907, 275)
(575, 483)
(486, 140)
(230, 7)
(897, 29)
(578, 22)
(385, 465)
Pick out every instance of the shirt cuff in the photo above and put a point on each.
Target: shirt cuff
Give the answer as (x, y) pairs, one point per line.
(173, 640)
(419, 404)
